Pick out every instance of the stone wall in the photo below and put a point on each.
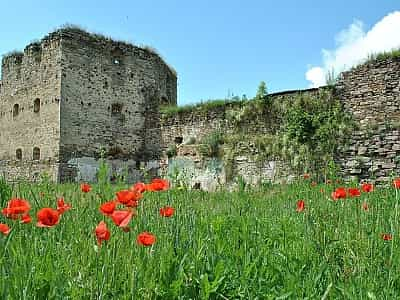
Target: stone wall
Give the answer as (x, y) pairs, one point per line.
(371, 93)
(191, 126)
(111, 92)
(202, 120)
(79, 94)
(29, 109)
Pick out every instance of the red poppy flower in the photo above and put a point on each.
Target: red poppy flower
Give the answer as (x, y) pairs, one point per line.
(139, 187)
(353, 192)
(396, 183)
(339, 193)
(300, 205)
(108, 208)
(158, 184)
(367, 187)
(122, 218)
(365, 206)
(386, 236)
(328, 181)
(146, 239)
(102, 233)
(62, 206)
(26, 219)
(322, 190)
(85, 187)
(167, 211)
(129, 198)
(4, 229)
(15, 208)
(47, 217)
(306, 176)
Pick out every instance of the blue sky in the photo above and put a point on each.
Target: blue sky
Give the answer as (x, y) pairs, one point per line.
(222, 47)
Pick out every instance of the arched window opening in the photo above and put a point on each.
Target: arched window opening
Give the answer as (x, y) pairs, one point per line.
(18, 154)
(15, 110)
(36, 153)
(36, 105)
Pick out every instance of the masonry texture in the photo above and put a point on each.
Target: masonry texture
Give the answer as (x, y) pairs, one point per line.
(369, 92)
(186, 129)
(73, 97)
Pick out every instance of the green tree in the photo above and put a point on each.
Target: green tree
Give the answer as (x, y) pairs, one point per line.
(262, 91)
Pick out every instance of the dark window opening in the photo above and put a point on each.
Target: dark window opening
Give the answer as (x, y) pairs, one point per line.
(36, 105)
(15, 110)
(164, 100)
(178, 140)
(116, 109)
(138, 165)
(18, 154)
(197, 186)
(116, 55)
(115, 152)
(36, 153)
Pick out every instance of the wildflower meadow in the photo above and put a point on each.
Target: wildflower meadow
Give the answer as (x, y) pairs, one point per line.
(306, 240)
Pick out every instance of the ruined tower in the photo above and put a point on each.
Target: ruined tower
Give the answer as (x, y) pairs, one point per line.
(74, 97)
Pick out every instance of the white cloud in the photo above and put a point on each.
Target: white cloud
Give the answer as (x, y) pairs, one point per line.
(354, 45)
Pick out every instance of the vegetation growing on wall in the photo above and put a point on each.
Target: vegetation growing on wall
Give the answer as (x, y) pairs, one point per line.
(395, 53)
(303, 130)
(202, 107)
(381, 56)
(15, 53)
(310, 132)
(171, 151)
(210, 144)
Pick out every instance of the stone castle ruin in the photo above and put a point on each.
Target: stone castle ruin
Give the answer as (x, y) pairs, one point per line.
(74, 96)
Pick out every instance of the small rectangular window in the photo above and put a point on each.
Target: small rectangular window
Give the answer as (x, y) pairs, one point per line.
(36, 153)
(116, 109)
(18, 154)
(36, 105)
(15, 110)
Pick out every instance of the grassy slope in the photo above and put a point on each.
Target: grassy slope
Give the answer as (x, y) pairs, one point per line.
(251, 245)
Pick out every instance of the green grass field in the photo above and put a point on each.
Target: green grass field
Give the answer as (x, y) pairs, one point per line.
(239, 245)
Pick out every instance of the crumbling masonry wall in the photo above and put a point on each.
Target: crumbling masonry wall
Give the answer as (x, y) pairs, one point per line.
(186, 129)
(110, 93)
(81, 96)
(369, 92)
(29, 111)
